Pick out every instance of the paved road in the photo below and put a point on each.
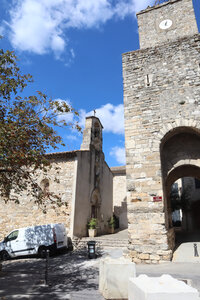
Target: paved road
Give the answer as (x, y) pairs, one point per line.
(73, 276)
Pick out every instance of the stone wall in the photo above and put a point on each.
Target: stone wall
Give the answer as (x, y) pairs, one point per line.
(119, 185)
(106, 190)
(81, 178)
(92, 191)
(152, 112)
(190, 188)
(119, 195)
(27, 213)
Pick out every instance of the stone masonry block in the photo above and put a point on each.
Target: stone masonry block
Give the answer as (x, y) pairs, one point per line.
(163, 288)
(113, 277)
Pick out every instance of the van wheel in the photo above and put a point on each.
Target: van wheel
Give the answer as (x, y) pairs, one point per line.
(4, 255)
(42, 251)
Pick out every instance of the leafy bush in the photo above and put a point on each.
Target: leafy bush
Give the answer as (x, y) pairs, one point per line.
(112, 222)
(92, 224)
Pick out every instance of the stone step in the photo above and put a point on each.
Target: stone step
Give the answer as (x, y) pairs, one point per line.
(101, 243)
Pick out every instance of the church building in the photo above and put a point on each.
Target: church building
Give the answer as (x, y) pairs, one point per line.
(83, 181)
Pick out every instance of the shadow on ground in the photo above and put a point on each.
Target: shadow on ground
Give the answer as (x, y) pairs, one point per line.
(70, 276)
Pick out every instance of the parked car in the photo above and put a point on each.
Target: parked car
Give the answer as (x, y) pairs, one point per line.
(34, 240)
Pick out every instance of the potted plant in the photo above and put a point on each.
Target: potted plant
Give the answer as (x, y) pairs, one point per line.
(111, 225)
(92, 227)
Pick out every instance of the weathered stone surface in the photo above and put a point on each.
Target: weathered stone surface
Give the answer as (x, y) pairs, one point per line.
(143, 256)
(119, 195)
(113, 277)
(161, 104)
(27, 213)
(150, 19)
(154, 257)
(164, 287)
(82, 179)
(136, 260)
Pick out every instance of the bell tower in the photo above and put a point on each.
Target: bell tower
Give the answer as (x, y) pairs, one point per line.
(92, 135)
(162, 123)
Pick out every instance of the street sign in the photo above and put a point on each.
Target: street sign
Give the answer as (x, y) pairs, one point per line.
(157, 199)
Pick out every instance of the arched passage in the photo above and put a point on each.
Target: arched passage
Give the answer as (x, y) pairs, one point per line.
(180, 160)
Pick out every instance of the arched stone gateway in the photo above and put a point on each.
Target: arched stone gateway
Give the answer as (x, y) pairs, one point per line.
(162, 123)
(180, 158)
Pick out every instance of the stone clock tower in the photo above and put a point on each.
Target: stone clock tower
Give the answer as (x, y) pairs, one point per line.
(166, 22)
(162, 123)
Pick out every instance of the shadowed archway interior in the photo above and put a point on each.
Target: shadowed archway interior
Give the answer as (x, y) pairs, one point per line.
(180, 161)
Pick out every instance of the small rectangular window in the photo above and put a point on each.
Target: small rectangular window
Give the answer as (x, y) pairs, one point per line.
(148, 80)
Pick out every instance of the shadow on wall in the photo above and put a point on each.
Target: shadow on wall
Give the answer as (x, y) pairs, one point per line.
(121, 213)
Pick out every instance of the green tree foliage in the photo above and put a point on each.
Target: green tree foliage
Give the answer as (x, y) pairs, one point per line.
(27, 130)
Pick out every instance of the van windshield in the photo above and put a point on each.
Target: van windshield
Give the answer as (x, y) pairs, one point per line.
(12, 236)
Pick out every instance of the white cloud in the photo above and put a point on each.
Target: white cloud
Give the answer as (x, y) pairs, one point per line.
(72, 137)
(111, 117)
(57, 44)
(1, 30)
(34, 27)
(40, 26)
(72, 53)
(119, 154)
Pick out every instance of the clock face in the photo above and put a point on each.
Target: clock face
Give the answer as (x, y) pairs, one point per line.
(165, 24)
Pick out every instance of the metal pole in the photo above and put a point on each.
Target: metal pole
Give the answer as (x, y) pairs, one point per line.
(47, 267)
(196, 254)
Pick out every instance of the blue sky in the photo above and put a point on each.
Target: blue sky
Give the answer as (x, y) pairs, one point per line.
(73, 49)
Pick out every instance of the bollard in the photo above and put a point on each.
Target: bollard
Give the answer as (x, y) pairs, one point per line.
(91, 249)
(196, 254)
(47, 267)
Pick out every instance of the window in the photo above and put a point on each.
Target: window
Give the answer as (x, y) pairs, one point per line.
(12, 236)
(93, 211)
(148, 80)
(96, 130)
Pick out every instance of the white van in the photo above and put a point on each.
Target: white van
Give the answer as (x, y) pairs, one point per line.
(34, 240)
